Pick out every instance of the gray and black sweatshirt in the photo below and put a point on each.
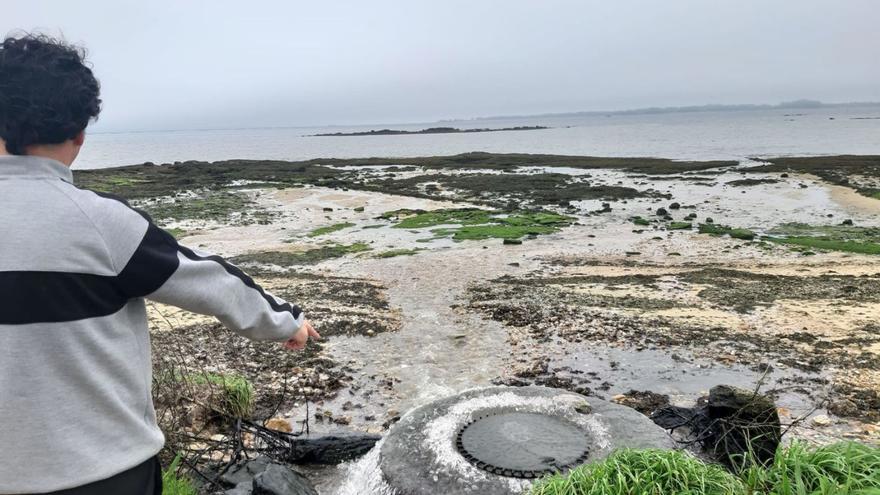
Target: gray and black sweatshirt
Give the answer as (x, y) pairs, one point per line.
(75, 368)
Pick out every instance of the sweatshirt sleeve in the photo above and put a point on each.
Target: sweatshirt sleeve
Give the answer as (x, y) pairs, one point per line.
(152, 264)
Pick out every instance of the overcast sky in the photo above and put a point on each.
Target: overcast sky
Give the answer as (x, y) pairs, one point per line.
(217, 64)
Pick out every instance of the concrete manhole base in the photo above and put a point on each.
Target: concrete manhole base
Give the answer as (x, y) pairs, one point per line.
(496, 440)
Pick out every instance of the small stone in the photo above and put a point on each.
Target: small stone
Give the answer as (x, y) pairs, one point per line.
(821, 420)
(675, 206)
(583, 407)
(279, 424)
(512, 241)
(342, 420)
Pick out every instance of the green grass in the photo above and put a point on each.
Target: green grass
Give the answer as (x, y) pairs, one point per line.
(711, 228)
(680, 226)
(332, 228)
(398, 252)
(643, 472)
(844, 468)
(478, 224)
(237, 392)
(876, 195)
(174, 484)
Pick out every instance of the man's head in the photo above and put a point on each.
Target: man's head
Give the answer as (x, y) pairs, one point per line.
(47, 97)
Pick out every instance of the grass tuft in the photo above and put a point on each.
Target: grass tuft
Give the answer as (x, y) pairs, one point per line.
(643, 472)
(844, 468)
(237, 393)
(175, 484)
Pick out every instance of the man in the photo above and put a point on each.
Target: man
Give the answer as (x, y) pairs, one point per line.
(76, 415)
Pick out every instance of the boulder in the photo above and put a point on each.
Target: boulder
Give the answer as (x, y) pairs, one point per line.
(280, 480)
(262, 476)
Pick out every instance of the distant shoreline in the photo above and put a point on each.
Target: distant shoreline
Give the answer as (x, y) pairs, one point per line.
(430, 130)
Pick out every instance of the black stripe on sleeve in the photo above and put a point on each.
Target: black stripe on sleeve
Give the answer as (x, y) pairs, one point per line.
(190, 254)
(151, 265)
(248, 281)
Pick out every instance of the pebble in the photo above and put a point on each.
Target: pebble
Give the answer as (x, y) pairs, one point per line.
(821, 420)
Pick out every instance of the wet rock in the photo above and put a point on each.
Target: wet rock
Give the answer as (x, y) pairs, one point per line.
(675, 206)
(645, 402)
(844, 408)
(245, 471)
(662, 212)
(847, 222)
(280, 480)
(512, 241)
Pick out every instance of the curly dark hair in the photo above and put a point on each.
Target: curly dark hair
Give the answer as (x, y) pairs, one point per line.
(47, 92)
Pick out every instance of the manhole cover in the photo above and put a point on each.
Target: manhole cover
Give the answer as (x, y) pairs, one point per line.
(522, 445)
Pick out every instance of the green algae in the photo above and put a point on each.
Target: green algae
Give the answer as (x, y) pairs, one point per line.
(309, 257)
(680, 226)
(392, 253)
(477, 224)
(714, 229)
(844, 238)
(329, 229)
(640, 221)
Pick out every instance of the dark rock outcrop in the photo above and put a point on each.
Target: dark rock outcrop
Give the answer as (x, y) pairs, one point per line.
(262, 476)
(733, 425)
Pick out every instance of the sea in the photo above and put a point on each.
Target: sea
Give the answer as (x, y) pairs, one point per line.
(696, 135)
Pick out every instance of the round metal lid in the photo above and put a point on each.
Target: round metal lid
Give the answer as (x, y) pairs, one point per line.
(522, 445)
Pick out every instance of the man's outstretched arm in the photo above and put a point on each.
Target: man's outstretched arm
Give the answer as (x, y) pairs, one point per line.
(152, 264)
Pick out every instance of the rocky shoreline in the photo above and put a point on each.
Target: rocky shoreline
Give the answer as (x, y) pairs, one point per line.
(630, 280)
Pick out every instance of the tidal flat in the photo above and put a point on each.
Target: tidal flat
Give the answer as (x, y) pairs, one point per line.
(614, 277)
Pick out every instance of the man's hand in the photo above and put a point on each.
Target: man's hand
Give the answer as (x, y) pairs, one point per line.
(299, 339)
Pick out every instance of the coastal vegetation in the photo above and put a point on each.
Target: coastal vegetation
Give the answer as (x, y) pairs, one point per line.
(476, 224)
(329, 229)
(308, 257)
(843, 468)
(392, 253)
(714, 229)
(175, 484)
